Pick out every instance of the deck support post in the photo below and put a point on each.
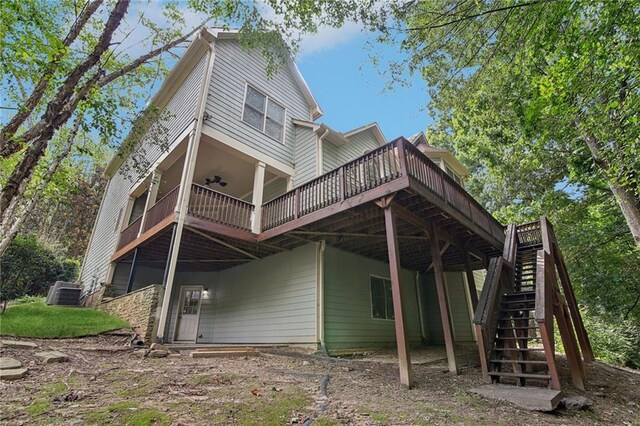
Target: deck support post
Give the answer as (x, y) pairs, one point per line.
(438, 272)
(404, 356)
(152, 195)
(132, 271)
(471, 281)
(258, 191)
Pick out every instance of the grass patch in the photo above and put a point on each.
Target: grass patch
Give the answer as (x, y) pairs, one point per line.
(40, 320)
(272, 410)
(38, 407)
(129, 414)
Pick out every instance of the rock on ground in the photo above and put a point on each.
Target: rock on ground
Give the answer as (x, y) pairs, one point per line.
(18, 344)
(13, 374)
(52, 356)
(7, 363)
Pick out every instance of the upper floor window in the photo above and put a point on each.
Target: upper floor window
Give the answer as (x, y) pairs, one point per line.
(263, 113)
(453, 174)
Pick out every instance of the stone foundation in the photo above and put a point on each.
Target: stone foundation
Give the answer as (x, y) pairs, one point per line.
(138, 308)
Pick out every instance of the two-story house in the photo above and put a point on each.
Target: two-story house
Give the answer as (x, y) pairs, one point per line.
(261, 225)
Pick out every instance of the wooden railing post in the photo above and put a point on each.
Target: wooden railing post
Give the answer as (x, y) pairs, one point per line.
(341, 183)
(402, 156)
(296, 204)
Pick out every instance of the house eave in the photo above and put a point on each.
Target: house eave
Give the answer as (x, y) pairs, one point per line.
(194, 52)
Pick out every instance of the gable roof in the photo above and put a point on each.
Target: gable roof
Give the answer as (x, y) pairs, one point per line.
(377, 132)
(316, 111)
(419, 140)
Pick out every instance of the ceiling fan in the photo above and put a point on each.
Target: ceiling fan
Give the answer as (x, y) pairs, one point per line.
(216, 179)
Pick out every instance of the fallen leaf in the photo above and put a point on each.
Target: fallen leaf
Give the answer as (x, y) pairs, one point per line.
(256, 392)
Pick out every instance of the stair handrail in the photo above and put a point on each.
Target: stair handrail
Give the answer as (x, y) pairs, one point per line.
(499, 280)
(550, 245)
(545, 290)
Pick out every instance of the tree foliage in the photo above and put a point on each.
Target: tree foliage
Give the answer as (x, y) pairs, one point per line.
(29, 268)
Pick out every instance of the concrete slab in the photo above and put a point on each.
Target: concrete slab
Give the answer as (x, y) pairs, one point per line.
(16, 344)
(7, 363)
(53, 356)
(13, 374)
(223, 353)
(530, 397)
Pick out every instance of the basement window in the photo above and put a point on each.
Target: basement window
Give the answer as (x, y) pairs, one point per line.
(263, 113)
(381, 298)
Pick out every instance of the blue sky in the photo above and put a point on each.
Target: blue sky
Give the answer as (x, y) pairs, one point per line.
(351, 90)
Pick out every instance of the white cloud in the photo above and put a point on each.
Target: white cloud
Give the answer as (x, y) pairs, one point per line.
(329, 37)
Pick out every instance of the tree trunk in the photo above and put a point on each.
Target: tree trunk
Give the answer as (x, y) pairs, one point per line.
(626, 199)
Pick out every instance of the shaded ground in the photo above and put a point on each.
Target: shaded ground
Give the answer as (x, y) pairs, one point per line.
(279, 387)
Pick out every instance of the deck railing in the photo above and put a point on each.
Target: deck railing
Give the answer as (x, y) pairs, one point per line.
(215, 206)
(427, 173)
(129, 233)
(162, 209)
(384, 164)
(529, 234)
(362, 174)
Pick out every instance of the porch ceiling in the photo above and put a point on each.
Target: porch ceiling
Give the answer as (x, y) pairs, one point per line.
(361, 230)
(201, 251)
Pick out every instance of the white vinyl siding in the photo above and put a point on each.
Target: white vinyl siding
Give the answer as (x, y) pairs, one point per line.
(272, 300)
(305, 155)
(335, 156)
(233, 68)
(347, 303)
(181, 108)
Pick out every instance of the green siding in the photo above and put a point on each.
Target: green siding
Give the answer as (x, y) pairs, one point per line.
(304, 155)
(347, 303)
(334, 156)
(458, 308)
(272, 300)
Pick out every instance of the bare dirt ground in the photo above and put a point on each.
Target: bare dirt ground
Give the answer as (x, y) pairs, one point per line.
(282, 386)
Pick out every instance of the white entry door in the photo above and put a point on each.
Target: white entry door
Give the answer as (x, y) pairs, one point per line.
(188, 313)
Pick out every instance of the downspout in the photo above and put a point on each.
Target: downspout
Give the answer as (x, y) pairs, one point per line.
(185, 192)
(320, 262)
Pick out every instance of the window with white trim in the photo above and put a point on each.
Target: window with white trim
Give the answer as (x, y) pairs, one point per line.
(453, 174)
(381, 298)
(263, 113)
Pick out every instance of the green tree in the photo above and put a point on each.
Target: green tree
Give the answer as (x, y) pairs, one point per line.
(543, 92)
(29, 268)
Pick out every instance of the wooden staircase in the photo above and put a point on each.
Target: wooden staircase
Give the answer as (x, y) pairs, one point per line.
(519, 300)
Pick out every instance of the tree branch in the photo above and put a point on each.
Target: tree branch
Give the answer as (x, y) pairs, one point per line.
(7, 141)
(144, 58)
(477, 15)
(67, 88)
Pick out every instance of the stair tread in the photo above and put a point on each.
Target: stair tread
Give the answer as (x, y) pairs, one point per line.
(519, 328)
(518, 349)
(517, 309)
(513, 302)
(520, 375)
(518, 338)
(519, 294)
(518, 361)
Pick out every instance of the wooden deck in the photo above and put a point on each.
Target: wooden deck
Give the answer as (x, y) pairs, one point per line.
(338, 207)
